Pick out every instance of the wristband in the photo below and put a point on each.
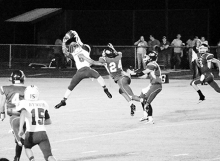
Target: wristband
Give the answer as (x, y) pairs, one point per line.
(2, 115)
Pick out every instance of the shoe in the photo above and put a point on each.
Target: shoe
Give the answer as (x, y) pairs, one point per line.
(133, 108)
(143, 119)
(150, 120)
(62, 103)
(202, 98)
(16, 159)
(108, 93)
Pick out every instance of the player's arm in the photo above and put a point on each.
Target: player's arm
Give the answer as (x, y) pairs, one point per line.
(22, 120)
(67, 36)
(217, 62)
(2, 104)
(90, 60)
(78, 40)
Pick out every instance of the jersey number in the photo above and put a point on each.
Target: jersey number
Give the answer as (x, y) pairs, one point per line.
(40, 116)
(113, 67)
(15, 100)
(81, 59)
(200, 62)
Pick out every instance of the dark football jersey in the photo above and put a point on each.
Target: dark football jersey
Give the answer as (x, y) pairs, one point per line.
(13, 93)
(113, 66)
(202, 62)
(155, 76)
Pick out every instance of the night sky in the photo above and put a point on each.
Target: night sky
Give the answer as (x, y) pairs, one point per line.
(113, 21)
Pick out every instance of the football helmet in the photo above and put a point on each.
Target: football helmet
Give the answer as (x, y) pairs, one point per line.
(31, 93)
(17, 76)
(74, 47)
(203, 48)
(152, 56)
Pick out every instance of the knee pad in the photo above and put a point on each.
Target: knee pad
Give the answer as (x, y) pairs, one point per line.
(120, 91)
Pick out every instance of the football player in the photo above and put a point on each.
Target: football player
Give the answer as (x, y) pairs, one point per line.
(75, 50)
(10, 95)
(203, 62)
(36, 114)
(152, 71)
(111, 59)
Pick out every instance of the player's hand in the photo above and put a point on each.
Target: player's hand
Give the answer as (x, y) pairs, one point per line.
(2, 116)
(68, 36)
(110, 45)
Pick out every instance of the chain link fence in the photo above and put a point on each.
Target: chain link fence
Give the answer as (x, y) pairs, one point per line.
(22, 55)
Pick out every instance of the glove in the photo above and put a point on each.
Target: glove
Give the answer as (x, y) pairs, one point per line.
(110, 45)
(69, 35)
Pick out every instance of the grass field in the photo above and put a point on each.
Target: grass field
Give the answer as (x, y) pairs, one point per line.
(92, 127)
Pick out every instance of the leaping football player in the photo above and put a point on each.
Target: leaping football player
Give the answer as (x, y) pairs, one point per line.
(152, 71)
(111, 59)
(75, 51)
(203, 62)
(10, 96)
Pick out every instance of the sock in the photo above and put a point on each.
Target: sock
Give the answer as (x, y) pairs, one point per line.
(149, 110)
(101, 81)
(200, 93)
(18, 150)
(67, 94)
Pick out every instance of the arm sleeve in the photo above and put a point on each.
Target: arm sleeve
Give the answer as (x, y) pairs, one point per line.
(102, 60)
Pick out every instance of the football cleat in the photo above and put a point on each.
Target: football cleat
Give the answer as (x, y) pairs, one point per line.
(143, 119)
(133, 108)
(107, 93)
(150, 120)
(202, 98)
(62, 103)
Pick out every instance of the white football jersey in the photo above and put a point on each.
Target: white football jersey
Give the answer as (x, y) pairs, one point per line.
(80, 63)
(35, 114)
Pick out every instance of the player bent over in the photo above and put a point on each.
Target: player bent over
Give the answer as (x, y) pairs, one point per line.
(111, 59)
(149, 93)
(75, 50)
(10, 95)
(203, 62)
(36, 114)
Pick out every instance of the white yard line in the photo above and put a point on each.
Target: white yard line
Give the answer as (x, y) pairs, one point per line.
(132, 130)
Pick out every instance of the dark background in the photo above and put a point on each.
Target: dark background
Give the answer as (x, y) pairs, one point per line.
(120, 22)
